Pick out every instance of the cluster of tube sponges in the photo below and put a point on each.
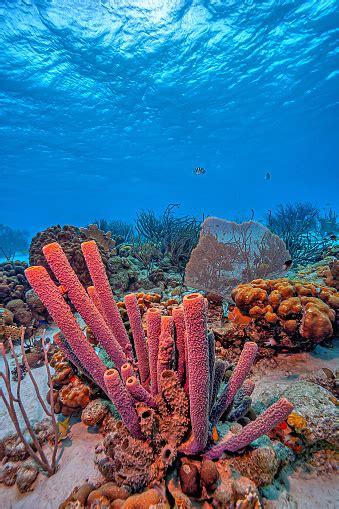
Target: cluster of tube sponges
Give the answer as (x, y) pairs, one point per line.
(179, 342)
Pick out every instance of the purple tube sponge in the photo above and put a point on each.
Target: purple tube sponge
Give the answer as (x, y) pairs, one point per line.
(126, 371)
(180, 330)
(138, 392)
(140, 345)
(166, 346)
(153, 324)
(123, 401)
(238, 376)
(273, 416)
(219, 371)
(198, 369)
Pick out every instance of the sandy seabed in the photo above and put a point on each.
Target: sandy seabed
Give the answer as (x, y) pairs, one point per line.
(76, 466)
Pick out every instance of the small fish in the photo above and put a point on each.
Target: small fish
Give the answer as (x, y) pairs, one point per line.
(62, 290)
(267, 176)
(199, 170)
(287, 264)
(327, 204)
(333, 237)
(63, 428)
(270, 342)
(62, 431)
(215, 435)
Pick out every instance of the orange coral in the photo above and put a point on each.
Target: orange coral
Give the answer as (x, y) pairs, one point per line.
(316, 323)
(236, 316)
(290, 306)
(294, 308)
(74, 395)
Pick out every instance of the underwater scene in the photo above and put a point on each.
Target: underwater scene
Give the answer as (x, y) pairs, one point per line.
(169, 255)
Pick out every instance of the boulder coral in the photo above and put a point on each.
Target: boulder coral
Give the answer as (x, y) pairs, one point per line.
(288, 313)
(70, 238)
(137, 450)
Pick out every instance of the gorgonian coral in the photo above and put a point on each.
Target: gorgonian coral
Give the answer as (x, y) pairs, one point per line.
(229, 253)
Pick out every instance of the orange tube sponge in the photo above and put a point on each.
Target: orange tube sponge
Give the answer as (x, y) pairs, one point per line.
(123, 401)
(166, 346)
(153, 324)
(140, 345)
(101, 284)
(59, 310)
(62, 269)
(180, 329)
(138, 392)
(198, 370)
(95, 299)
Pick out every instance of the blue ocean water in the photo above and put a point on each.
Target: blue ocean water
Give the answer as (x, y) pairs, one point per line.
(108, 106)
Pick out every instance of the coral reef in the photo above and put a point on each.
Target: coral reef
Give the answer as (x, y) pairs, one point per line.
(17, 297)
(285, 313)
(137, 451)
(229, 253)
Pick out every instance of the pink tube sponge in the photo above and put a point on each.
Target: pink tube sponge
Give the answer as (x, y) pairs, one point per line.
(180, 329)
(166, 346)
(95, 299)
(138, 392)
(59, 310)
(140, 345)
(153, 324)
(273, 416)
(240, 372)
(126, 371)
(62, 269)
(123, 401)
(103, 290)
(198, 369)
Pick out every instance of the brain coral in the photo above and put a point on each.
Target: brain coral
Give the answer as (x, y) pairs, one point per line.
(289, 313)
(229, 253)
(70, 238)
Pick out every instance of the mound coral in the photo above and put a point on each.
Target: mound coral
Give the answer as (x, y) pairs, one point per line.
(229, 253)
(70, 238)
(288, 313)
(178, 415)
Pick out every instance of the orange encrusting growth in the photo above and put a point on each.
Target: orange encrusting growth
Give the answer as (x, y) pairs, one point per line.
(102, 287)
